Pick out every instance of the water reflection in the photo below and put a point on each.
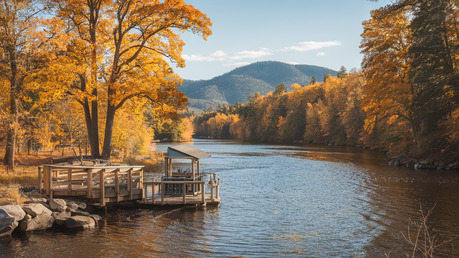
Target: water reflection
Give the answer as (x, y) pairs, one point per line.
(276, 201)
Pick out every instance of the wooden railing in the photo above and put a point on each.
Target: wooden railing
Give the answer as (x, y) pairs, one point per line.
(160, 187)
(95, 182)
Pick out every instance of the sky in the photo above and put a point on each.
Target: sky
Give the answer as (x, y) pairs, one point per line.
(314, 32)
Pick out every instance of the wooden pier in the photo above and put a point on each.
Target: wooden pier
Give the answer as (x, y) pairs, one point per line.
(107, 183)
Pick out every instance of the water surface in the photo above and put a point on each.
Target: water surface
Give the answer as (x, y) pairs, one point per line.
(276, 201)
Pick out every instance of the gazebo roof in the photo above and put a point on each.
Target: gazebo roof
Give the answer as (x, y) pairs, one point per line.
(186, 151)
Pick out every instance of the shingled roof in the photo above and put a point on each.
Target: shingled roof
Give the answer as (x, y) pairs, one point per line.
(186, 151)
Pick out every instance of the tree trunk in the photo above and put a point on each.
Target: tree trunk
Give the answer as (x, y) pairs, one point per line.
(106, 151)
(91, 118)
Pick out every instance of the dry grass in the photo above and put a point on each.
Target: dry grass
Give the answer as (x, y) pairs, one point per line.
(10, 194)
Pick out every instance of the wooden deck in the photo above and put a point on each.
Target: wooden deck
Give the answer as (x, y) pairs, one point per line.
(104, 184)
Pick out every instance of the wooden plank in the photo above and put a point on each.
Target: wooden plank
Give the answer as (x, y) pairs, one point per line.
(102, 187)
(117, 184)
(50, 183)
(89, 182)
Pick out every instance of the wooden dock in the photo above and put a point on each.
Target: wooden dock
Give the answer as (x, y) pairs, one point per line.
(104, 184)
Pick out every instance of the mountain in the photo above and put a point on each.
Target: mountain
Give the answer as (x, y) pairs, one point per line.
(236, 85)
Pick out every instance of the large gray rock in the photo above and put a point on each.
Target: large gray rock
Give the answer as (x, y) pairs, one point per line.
(61, 217)
(34, 209)
(40, 222)
(58, 205)
(80, 222)
(96, 218)
(72, 206)
(9, 217)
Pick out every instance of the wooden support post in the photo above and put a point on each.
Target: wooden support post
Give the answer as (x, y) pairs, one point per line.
(40, 185)
(203, 193)
(89, 182)
(218, 189)
(198, 168)
(153, 193)
(117, 184)
(69, 179)
(212, 191)
(141, 178)
(50, 183)
(184, 192)
(166, 166)
(162, 193)
(193, 172)
(130, 183)
(102, 187)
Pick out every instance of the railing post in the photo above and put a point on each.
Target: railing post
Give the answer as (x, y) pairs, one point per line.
(212, 191)
(102, 187)
(203, 193)
(153, 193)
(89, 182)
(217, 190)
(130, 183)
(50, 183)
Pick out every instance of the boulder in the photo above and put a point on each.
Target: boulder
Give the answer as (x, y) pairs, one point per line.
(72, 206)
(82, 205)
(34, 209)
(58, 205)
(61, 217)
(96, 218)
(80, 213)
(40, 222)
(80, 222)
(9, 217)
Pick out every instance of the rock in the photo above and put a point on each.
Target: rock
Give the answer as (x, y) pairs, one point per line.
(58, 205)
(96, 218)
(10, 215)
(80, 222)
(34, 209)
(82, 205)
(61, 217)
(80, 213)
(40, 222)
(36, 199)
(72, 206)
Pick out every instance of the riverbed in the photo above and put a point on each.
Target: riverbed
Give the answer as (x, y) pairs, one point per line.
(312, 201)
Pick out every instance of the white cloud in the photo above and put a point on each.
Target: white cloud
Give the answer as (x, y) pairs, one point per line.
(247, 54)
(321, 54)
(215, 56)
(312, 45)
(222, 56)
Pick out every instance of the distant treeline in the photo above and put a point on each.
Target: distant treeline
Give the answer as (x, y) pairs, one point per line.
(405, 98)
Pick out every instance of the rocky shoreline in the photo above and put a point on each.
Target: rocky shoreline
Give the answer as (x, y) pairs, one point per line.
(404, 161)
(41, 214)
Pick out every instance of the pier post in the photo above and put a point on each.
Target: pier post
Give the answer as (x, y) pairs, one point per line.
(130, 183)
(162, 193)
(203, 193)
(102, 187)
(89, 182)
(184, 192)
(40, 185)
(117, 184)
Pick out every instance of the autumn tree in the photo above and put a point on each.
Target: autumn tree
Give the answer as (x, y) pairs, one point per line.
(120, 50)
(19, 59)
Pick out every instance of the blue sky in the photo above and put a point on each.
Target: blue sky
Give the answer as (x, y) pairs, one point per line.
(315, 32)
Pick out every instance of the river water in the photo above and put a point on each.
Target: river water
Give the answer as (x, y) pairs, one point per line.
(277, 201)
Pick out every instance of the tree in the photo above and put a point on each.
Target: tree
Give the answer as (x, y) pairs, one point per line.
(280, 89)
(119, 48)
(432, 69)
(19, 59)
(313, 80)
(342, 72)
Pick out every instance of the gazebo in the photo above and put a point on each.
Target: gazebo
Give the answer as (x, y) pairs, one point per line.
(184, 152)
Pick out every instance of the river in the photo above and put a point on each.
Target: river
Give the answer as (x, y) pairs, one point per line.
(277, 200)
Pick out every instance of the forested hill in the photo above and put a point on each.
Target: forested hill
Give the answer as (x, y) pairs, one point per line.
(236, 85)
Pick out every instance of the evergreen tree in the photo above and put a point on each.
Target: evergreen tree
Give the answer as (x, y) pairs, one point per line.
(432, 66)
